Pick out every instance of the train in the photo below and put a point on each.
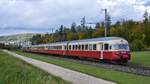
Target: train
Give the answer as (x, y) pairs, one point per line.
(103, 49)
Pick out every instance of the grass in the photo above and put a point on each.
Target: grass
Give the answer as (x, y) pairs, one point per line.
(141, 58)
(118, 77)
(15, 71)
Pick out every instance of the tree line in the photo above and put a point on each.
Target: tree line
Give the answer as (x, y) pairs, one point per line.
(9, 47)
(136, 32)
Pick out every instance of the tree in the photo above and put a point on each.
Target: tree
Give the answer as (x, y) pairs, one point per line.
(145, 17)
(61, 33)
(73, 27)
(89, 32)
(136, 45)
(72, 36)
(98, 25)
(83, 35)
(61, 29)
(36, 39)
(114, 31)
(98, 33)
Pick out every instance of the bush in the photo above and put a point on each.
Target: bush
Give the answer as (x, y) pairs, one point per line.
(137, 45)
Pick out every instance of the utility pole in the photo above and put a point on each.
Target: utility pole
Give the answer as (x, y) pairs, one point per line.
(52, 35)
(106, 21)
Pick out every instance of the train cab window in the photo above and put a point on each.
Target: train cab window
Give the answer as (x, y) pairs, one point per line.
(106, 46)
(94, 47)
(110, 47)
(86, 47)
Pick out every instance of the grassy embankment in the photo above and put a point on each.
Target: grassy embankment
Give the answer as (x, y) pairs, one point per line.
(15, 71)
(141, 58)
(119, 77)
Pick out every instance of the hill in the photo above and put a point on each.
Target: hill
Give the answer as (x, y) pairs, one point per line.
(17, 37)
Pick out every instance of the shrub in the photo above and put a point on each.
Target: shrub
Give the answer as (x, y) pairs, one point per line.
(137, 45)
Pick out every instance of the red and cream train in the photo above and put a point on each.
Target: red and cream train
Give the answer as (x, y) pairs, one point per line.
(107, 48)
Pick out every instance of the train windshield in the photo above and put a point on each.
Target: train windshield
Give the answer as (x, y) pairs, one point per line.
(119, 47)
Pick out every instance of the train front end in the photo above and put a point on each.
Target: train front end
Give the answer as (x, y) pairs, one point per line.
(120, 51)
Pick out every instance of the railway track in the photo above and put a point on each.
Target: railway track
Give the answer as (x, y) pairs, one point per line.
(122, 68)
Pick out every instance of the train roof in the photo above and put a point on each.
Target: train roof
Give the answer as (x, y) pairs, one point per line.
(97, 39)
(100, 39)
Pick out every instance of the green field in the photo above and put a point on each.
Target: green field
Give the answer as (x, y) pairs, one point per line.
(15, 71)
(141, 58)
(119, 77)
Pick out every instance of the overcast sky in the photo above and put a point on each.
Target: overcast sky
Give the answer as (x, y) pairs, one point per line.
(39, 16)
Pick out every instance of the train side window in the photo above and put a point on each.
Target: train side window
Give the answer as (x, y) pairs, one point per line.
(82, 47)
(76, 47)
(61, 48)
(73, 47)
(106, 46)
(65, 47)
(69, 47)
(94, 46)
(90, 47)
(53, 47)
(79, 47)
(86, 47)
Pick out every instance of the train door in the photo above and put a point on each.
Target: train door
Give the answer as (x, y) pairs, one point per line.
(101, 50)
(64, 48)
(67, 49)
(105, 51)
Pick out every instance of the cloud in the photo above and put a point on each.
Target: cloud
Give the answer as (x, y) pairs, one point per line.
(44, 14)
(147, 3)
(127, 9)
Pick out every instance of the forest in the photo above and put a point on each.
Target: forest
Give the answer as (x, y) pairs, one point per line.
(136, 32)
